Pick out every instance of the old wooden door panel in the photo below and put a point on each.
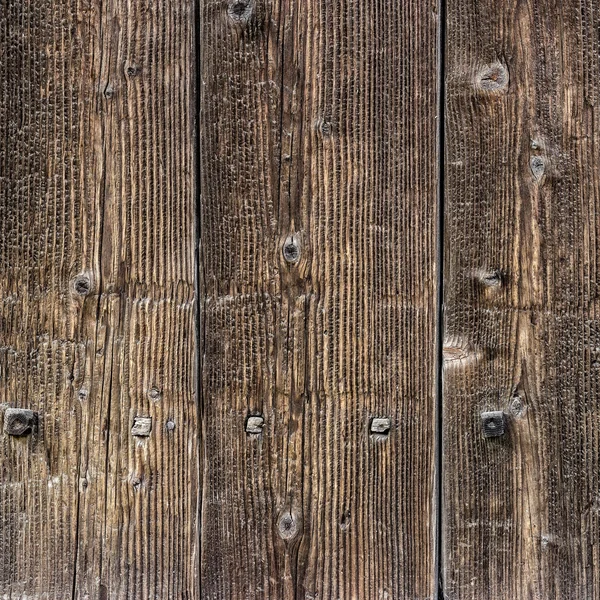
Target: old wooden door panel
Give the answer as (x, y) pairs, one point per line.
(97, 293)
(319, 174)
(521, 511)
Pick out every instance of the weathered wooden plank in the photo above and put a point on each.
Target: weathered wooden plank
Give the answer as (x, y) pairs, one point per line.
(98, 303)
(319, 174)
(521, 513)
(43, 243)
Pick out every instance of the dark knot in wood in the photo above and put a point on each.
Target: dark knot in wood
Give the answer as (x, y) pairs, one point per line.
(491, 278)
(240, 11)
(493, 78)
(82, 284)
(291, 250)
(287, 526)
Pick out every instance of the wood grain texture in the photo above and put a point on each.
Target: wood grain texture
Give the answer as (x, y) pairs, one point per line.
(97, 299)
(521, 513)
(318, 126)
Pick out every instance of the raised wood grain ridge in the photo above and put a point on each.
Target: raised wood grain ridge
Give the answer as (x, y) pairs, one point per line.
(318, 262)
(521, 512)
(97, 299)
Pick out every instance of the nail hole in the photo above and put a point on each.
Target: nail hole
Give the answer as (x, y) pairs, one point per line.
(517, 406)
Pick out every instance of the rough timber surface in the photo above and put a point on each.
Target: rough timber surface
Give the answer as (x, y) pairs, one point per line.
(521, 512)
(97, 299)
(318, 261)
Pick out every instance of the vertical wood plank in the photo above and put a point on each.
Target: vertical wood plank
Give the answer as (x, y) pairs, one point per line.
(521, 511)
(98, 303)
(44, 245)
(319, 174)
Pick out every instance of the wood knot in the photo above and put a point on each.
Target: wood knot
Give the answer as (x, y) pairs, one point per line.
(82, 284)
(493, 78)
(142, 426)
(324, 127)
(345, 520)
(493, 424)
(133, 70)
(490, 278)
(19, 421)
(537, 165)
(240, 11)
(255, 424)
(459, 352)
(154, 394)
(287, 526)
(517, 406)
(109, 91)
(291, 250)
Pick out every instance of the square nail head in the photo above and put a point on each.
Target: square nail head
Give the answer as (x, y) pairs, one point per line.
(254, 424)
(493, 423)
(19, 421)
(381, 425)
(142, 426)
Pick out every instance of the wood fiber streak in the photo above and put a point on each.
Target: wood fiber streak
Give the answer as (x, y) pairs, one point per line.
(521, 516)
(97, 299)
(318, 121)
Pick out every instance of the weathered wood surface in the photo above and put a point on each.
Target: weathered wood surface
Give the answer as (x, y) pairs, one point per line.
(521, 514)
(319, 161)
(97, 299)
